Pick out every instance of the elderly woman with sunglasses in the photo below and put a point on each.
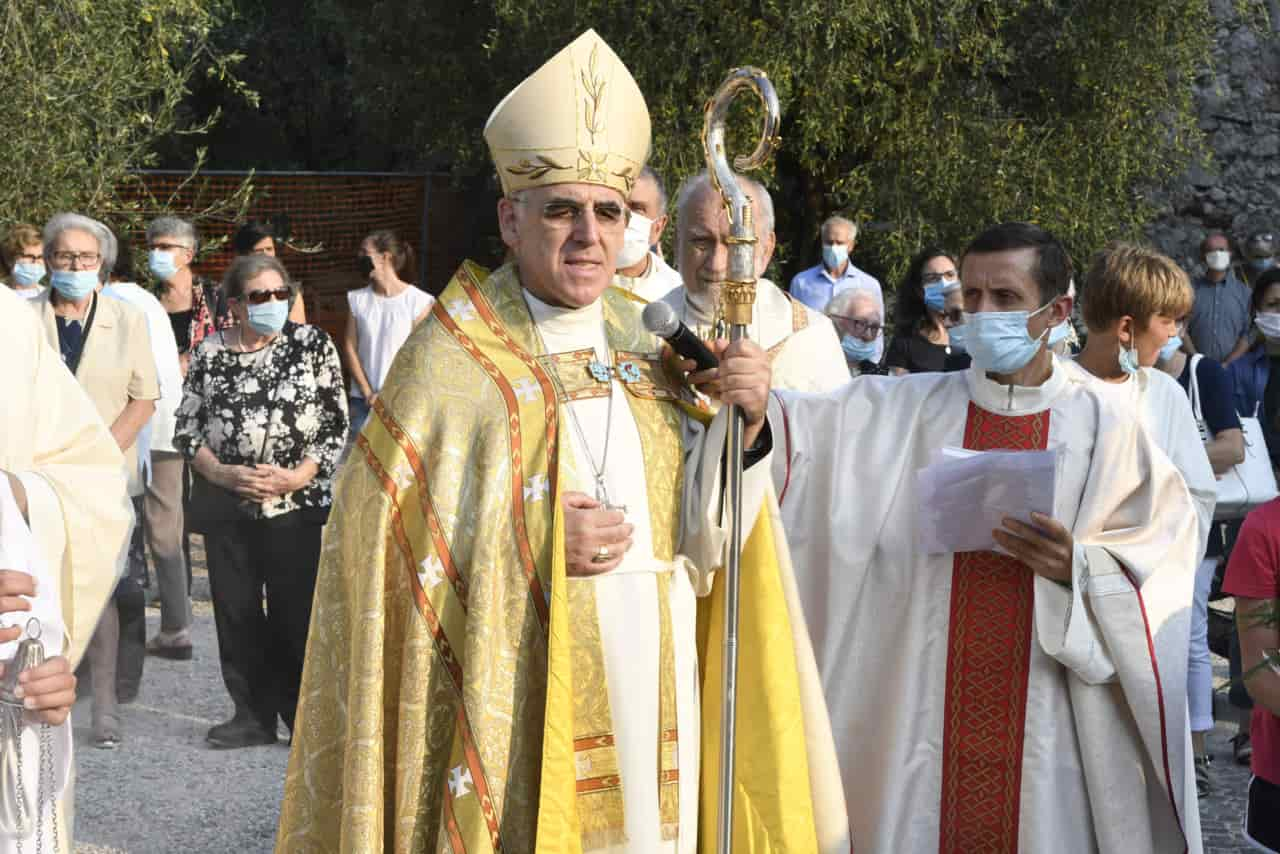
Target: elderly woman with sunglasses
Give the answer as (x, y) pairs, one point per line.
(262, 422)
(925, 319)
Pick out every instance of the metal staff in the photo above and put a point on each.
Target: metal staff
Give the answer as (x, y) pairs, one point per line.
(738, 296)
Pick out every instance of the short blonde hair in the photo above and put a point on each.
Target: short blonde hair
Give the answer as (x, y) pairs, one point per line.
(1137, 281)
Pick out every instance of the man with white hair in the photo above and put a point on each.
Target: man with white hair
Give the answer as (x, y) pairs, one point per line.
(855, 313)
(641, 271)
(801, 342)
(817, 285)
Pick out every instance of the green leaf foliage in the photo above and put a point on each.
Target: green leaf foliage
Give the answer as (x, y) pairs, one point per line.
(91, 88)
(924, 119)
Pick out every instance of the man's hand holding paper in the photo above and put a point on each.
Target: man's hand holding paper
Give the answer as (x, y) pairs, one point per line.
(995, 501)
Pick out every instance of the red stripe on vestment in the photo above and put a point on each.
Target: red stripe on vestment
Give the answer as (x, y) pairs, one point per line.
(540, 601)
(1164, 736)
(988, 665)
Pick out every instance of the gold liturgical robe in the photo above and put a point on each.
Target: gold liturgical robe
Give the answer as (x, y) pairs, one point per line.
(452, 698)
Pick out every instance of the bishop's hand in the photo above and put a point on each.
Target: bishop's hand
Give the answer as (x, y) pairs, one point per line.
(595, 539)
(742, 378)
(1047, 547)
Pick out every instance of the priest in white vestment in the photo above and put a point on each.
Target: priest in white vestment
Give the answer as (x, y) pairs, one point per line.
(64, 520)
(1029, 701)
(642, 271)
(802, 343)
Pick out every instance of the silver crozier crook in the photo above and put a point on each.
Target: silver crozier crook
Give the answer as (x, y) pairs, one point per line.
(738, 296)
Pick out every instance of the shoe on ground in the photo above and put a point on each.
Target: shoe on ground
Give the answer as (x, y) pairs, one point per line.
(239, 732)
(1204, 776)
(1242, 748)
(105, 738)
(174, 645)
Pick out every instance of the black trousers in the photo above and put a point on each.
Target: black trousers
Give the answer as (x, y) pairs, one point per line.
(1262, 814)
(131, 600)
(262, 651)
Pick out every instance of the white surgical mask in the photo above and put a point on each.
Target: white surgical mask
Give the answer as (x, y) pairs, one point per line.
(1217, 260)
(999, 341)
(1268, 323)
(636, 243)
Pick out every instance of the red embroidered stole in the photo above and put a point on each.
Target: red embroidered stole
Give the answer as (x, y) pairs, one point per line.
(988, 660)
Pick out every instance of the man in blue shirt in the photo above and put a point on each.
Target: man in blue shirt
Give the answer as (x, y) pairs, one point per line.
(1221, 318)
(816, 286)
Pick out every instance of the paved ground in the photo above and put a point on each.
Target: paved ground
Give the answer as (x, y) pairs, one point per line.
(163, 791)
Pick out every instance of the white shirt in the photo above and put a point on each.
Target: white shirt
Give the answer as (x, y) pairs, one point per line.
(657, 280)
(157, 435)
(382, 325)
(29, 293)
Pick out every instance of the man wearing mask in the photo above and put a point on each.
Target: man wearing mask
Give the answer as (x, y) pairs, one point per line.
(816, 286)
(641, 270)
(1220, 316)
(1260, 249)
(855, 314)
(1031, 676)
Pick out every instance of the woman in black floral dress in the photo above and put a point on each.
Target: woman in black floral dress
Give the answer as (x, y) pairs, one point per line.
(262, 422)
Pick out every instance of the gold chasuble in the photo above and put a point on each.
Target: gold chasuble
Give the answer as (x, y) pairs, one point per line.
(454, 695)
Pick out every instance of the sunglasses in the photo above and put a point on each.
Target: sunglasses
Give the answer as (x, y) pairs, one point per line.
(260, 297)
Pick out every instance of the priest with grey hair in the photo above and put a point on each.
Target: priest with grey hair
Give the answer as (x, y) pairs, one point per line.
(802, 343)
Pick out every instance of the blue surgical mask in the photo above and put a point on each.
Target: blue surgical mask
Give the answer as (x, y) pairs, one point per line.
(834, 256)
(25, 275)
(268, 318)
(1170, 347)
(74, 285)
(162, 265)
(1129, 360)
(999, 342)
(934, 297)
(957, 336)
(857, 350)
(1261, 264)
(1060, 333)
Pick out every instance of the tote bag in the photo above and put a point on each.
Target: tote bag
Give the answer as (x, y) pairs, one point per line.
(1249, 483)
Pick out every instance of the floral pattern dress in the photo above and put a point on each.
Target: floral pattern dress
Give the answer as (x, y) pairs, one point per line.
(274, 405)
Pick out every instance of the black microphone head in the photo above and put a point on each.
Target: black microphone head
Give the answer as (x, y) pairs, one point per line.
(660, 319)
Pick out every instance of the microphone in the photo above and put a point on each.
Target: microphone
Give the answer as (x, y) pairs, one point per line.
(660, 319)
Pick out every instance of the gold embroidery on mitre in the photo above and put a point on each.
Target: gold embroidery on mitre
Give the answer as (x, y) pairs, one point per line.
(578, 118)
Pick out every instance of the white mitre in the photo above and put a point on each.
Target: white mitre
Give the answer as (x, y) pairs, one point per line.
(580, 118)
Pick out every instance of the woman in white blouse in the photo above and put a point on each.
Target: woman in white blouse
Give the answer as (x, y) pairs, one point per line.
(383, 313)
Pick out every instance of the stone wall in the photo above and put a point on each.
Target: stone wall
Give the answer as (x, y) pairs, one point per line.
(1238, 100)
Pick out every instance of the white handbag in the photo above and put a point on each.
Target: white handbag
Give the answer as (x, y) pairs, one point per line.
(1249, 483)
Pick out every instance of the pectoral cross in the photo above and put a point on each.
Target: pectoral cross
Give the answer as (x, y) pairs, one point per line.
(602, 495)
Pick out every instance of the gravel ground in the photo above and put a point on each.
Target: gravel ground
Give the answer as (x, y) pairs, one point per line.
(164, 791)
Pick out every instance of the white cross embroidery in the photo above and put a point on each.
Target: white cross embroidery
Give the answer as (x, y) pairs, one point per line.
(537, 488)
(403, 475)
(526, 389)
(461, 309)
(431, 574)
(460, 782)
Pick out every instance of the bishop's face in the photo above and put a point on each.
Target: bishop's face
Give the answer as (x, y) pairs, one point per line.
(565, 239)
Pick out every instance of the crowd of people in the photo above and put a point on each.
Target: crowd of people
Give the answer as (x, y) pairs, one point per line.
(471, 558)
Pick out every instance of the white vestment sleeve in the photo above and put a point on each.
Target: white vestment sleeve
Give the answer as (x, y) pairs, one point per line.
(707, 514)
(21, 551)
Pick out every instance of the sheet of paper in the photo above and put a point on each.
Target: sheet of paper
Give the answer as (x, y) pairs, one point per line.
(965, 494)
